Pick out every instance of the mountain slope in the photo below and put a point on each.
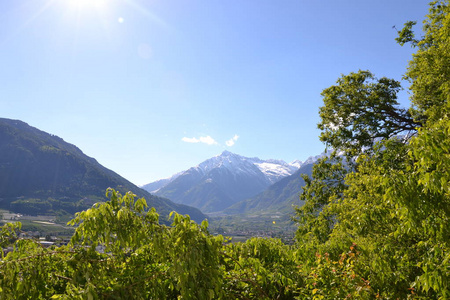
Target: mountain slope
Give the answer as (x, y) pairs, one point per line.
(223, 180)
(41, 172)
(156, 185)
(278, 197)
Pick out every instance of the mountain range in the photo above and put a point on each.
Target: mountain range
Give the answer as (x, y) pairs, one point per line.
(280, 197)
(41, 173)
(235, 184)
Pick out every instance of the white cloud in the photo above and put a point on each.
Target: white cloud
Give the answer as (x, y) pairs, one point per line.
(203, 139)
(207, 140)
(232, 141)
(190, 140)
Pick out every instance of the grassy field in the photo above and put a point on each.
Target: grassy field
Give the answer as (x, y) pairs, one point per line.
(45, 225)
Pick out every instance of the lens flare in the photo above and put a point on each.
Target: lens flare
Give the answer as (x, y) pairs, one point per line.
(87, 3)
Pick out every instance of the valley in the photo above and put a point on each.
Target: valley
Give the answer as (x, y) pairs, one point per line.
(46, 180)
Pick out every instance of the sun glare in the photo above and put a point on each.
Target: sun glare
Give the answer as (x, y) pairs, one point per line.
(87, 3)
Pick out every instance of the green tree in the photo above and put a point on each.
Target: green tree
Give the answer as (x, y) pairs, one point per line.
(429, 71)
(118, 251)
(361, 110)
(394, 200)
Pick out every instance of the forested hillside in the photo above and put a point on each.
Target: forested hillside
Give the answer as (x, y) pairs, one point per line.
(375, 224)
(40, 173)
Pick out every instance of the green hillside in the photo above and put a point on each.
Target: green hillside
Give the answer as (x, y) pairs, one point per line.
(41, 173)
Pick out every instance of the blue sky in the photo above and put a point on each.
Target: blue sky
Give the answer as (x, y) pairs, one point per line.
(150, 88)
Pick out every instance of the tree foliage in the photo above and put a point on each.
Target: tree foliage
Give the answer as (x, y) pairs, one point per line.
(393, 201)
(361, 110)
(120, 251)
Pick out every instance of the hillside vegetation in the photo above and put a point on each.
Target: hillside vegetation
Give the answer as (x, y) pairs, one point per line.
(40, 173)
(375, 223)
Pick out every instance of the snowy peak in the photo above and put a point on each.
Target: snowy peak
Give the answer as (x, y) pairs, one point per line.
(272, 169)
(227, 160)
(222, 180)
(296, 163)
(275, 170)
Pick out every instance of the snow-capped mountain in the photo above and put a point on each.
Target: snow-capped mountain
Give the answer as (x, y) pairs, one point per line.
(223, 180)
(297, 163)
(280, 196)
(153, 187)
(273, 169)
(313, 159)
